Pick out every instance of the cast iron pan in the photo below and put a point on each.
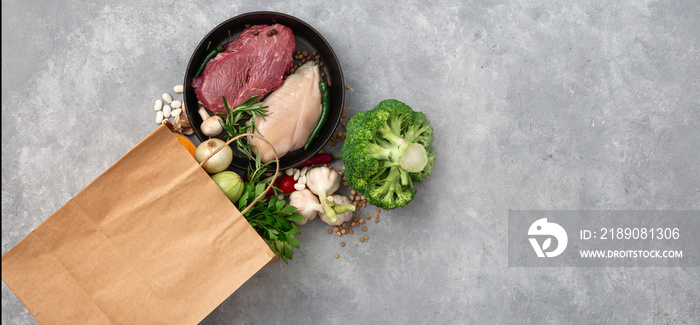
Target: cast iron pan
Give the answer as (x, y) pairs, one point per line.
(307, 39)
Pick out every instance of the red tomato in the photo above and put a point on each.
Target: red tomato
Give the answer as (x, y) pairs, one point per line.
(287, 184)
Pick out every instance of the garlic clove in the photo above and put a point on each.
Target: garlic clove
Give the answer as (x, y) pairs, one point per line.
(182, 125)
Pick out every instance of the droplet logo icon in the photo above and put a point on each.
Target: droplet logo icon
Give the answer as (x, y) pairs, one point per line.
(543, 228)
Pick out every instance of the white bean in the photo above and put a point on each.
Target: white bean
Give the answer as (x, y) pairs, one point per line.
(303, 170)
(179, 89)
(299, 186)
(302, 179)
(167, 98)
(159, 117)
(167, 110)
(158, 105)
(289, 171)
(296, 174)
(176, 104)
(176, 112)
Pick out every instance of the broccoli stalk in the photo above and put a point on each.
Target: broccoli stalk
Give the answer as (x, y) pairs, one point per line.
(410, 156)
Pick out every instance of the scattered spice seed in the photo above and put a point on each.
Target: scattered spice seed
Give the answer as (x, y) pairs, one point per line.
(369, 217)
(362, 239)
(351, 232)
(347, 86)
(364, 228)
(342, 244)
(362, 221)
(376, 220)
(330, 231)
(256, 32)
(366, 237)
(337, 255)
(376, 215)
(379, 210)
(338, 233)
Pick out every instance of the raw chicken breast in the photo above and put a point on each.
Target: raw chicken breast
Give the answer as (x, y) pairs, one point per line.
(294, 110)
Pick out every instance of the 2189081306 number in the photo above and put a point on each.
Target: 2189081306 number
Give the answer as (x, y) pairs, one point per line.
(640, 233)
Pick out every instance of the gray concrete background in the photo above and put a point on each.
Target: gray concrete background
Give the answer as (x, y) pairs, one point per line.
(535, 105)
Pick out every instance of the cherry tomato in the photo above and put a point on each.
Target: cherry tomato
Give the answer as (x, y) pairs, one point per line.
(287, 184)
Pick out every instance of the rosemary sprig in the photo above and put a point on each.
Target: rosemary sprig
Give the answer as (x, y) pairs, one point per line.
(242, 120)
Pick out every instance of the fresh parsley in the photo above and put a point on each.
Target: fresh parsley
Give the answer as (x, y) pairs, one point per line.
(273, 219)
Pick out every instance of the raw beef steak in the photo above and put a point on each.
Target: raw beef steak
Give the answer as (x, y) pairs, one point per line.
(250, 65)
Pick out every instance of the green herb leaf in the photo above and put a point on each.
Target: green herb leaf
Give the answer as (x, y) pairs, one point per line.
(296, 217)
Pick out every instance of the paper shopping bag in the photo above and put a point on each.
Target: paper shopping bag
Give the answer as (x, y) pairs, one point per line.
(151, 241)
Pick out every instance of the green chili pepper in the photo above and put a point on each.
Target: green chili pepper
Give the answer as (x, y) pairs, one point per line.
(325, 110)
(209, 56)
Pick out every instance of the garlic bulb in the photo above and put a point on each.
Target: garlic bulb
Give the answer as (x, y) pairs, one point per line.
(306, 203)
(322, 181)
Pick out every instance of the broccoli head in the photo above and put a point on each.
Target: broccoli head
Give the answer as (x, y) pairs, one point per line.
(386, 150)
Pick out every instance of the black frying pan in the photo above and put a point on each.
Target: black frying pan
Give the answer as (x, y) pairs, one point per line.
(307, 39)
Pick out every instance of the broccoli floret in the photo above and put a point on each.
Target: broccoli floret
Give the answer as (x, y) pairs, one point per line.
(387, 149)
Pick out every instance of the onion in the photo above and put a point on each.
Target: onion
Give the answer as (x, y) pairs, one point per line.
(221, 159)
(230, 183)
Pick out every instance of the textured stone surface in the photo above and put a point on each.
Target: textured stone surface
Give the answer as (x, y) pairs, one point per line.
(535, 105)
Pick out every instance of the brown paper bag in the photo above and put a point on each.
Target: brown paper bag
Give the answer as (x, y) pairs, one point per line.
(151, 241)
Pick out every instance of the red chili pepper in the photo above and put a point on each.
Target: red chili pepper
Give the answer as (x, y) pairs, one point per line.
(321, 158)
